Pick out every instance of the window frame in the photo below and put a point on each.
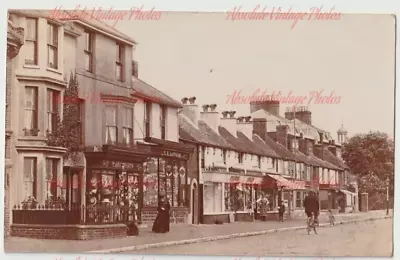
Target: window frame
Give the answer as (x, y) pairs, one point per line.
(147, 119)
(54, 178)
(126, 127)
(33, 41)
(34, 177)
(55, 107)
(163, 120)
(119, 62)
(111, 126)
(35, 113)
(88, 50)
(52, 44)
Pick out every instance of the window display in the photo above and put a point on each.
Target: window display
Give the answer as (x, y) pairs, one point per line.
(150, 183)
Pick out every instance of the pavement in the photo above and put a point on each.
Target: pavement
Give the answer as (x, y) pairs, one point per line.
(363, 239)
(179, 234)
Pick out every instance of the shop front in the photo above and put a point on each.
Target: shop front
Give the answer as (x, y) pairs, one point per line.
(229, 197)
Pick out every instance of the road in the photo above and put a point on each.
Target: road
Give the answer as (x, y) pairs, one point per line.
(372, 238)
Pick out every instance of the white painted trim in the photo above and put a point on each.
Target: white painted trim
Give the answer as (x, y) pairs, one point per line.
(190, 215)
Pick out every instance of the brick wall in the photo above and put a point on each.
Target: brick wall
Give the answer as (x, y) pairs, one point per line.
(69, 232)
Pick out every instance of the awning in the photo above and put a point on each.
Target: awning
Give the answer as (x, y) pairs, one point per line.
(282, 182)
(346, 192)
(230, 178)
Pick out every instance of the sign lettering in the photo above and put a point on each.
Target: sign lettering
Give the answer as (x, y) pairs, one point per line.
(118, 164)
(174, 154)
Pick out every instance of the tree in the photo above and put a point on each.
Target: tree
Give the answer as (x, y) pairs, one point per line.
(67, 133)
(370, 157)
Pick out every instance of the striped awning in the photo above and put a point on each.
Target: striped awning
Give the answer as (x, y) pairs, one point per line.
(282, 182)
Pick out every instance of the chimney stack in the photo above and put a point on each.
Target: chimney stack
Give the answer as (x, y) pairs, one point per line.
(211, 118)
(301, 113)
(260, 127)
(271, 106)
(191, 110)
(246, 126)
(282, 135)
(229, 123)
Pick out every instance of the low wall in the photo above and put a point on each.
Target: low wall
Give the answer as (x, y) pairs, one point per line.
(212, 219)
(69, 232)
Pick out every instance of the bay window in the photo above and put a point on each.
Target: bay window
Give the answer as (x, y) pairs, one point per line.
(31, 110)
(30, 177)
(52, 46)
(127, 125)
(111, 125)
(31, 53)
(52, 109)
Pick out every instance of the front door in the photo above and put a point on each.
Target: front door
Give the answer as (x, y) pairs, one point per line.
(73, 187)
(195, 205)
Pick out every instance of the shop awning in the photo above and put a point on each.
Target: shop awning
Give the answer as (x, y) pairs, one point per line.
(230, 178)
(288, 184)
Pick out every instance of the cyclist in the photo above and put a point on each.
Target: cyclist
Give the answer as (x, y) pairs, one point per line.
(311, 206)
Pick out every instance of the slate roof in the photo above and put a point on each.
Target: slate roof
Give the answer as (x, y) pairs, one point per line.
(202, 134)
(256, 146)
(146, 91)
(238, 143)
(264, 146)
(279, 149)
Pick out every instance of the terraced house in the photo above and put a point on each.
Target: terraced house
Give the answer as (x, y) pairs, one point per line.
(317, 156)
(130, 151)
(238, 159)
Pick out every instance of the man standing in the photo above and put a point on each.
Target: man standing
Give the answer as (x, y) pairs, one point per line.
(281, 210)
(311, 205)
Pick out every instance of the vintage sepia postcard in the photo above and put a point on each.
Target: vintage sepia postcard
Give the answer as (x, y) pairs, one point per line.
(262, 131)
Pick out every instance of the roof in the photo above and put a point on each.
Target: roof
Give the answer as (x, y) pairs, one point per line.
(144, 90)
(256, 146)
(342, 130)
(279, 149)
(331, 158)
(64, 15)
(202, 134)
(238, 143)
(264, 146)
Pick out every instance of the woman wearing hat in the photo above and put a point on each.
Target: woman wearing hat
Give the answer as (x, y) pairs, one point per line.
(161, 223)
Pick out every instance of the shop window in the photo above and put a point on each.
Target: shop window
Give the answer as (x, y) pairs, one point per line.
(127, 126)
(174, 181)
(30, 177)
(248, 198)
(150, 183)
(229, 202)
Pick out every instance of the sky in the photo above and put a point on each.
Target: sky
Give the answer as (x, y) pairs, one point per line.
(208, 56)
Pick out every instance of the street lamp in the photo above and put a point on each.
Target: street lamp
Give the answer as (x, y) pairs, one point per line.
(387, 195)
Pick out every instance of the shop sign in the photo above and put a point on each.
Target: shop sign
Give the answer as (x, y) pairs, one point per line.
(168, 153)
(118, 164)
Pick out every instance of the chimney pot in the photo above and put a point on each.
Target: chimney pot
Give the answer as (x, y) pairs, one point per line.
(240, 119)
(184, 100)
(192, 100)
(321, 138)
(248, 118)
(213, 107)
(205, 108)
(225, 114)
(232, 114)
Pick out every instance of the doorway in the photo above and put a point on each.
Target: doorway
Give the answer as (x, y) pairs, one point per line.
(72, 179)
(195, 204)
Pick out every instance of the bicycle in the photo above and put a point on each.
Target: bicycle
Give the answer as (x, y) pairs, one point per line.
(312, 224)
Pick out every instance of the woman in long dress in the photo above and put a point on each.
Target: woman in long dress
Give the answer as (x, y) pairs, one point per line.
(161, 223)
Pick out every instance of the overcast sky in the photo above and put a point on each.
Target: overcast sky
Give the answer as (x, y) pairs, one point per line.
(207, 56)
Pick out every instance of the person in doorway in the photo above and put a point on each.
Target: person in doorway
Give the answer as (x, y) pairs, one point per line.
(162, 221)
(281, 210)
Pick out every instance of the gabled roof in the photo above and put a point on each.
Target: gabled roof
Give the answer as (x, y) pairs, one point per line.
(202, 134)
(144, 90)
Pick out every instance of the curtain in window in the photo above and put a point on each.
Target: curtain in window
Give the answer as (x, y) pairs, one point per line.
(30, 107)
(111, 122)
(29, 171)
